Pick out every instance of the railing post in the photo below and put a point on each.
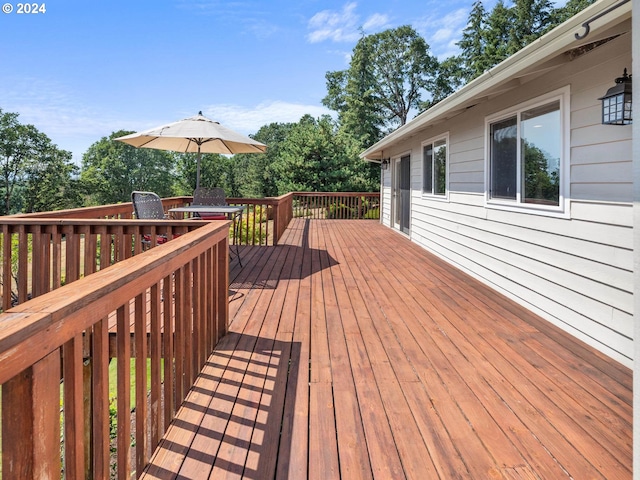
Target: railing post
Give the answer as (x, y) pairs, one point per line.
(31, 422)
(222, 293)
(276, 225)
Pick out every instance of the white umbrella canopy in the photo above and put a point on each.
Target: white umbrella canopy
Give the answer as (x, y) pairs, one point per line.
(197, 134)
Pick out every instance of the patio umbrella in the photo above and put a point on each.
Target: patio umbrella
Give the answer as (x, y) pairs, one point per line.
(196, 134)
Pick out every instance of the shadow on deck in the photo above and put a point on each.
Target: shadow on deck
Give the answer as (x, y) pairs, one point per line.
(353, 353)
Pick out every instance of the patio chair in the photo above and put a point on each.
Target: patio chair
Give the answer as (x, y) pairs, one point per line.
(215, 196)
(210, 196)
(148, 206)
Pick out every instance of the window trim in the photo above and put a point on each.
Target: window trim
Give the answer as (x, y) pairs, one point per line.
(562, 95)
(433, 196)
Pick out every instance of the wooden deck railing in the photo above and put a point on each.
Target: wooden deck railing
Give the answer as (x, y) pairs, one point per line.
(341, 205)
(42, 254)
(55, 356)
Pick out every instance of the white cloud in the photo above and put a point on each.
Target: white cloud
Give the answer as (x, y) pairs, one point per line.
(55, 111)
(248, 120)
(442, 33)
(377, 21)
(344, 25)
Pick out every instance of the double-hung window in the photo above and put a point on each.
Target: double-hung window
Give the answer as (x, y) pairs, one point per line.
(526, 152)
(434, 167)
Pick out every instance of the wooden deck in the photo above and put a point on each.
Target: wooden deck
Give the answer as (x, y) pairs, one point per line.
(355, 354)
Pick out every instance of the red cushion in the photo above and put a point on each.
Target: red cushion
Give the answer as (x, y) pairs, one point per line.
(160, 239)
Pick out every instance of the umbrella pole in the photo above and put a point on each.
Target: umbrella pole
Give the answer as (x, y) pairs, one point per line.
(198, 170)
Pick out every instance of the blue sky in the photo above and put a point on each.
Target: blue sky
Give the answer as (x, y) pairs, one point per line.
(82, 70)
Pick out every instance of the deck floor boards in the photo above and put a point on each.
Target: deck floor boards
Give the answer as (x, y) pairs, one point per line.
(356, 354)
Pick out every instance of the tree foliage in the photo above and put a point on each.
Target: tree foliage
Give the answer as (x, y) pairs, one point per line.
(111, 170)
(256, 173)
(492, 36)
(317, 156)
(51, 183)
(389, 74)
(34, 174)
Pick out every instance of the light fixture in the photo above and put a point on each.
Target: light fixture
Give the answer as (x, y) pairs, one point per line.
(616, 103)
(384, 164)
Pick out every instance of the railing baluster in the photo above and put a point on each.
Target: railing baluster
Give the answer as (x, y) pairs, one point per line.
(189, 374)
(56, 245)
(123, 442)
(72, 264)
(222, 288)
(179, 335)
(140, 333)
(168, 350)
(198, 350)
(23, 264)
(74, 428)
(155, 343)
(101, 447)
(37, 268)
(209, 301)
(89, 250)
(7, 278)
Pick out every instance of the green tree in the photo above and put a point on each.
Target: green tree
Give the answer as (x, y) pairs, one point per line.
(317, 156)
(216, 170)
(569, 10)
(111, 170)
(52, 184)
(497, 34)
(531, 20)
(450, 77)
(491, 37)
(25, 153)
(361, 115)
(388, 76)
(255, 175)
(473, 58)
(541, 176)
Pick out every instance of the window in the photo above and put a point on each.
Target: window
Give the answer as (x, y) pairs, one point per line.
(525, 151)
(434, 167)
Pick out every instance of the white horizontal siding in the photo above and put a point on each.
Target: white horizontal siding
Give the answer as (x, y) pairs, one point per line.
(385, 198)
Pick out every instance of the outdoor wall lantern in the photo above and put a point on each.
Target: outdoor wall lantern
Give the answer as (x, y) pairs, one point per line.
(616, 104)
(384, 164)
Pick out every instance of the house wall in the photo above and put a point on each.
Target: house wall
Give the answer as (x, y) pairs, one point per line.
(576, 271)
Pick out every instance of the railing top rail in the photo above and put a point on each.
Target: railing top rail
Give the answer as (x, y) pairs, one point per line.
(32, 330)
(336, 194)
(99, 221)
(126, 208)
(96, 211)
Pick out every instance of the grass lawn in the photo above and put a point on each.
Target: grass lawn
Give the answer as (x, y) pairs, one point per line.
(113, 380)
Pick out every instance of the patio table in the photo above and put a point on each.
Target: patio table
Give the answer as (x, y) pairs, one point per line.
(232, 212)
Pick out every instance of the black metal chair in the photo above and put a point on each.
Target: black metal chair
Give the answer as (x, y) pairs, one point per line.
(210, 196)
(215, 196)
(148, 206)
